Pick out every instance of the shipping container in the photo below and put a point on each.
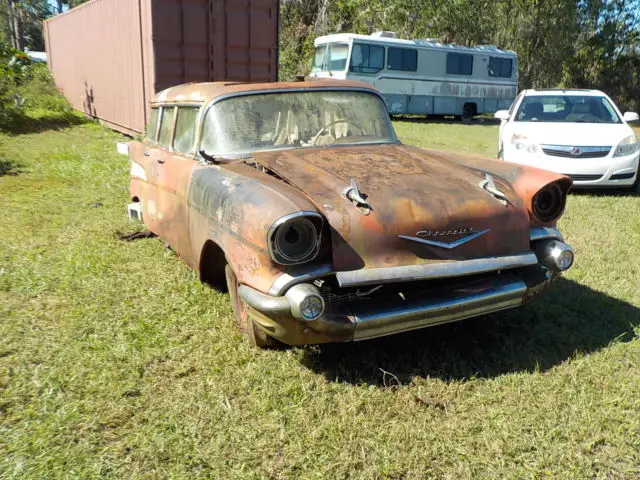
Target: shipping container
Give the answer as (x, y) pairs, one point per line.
(109, 57)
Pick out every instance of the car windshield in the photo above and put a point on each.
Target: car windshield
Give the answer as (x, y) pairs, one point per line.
(273, 121)
(566, 109)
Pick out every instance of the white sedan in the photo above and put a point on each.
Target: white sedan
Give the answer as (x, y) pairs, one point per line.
(580, 133)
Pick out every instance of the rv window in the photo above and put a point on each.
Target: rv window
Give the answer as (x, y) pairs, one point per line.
(319, 59)
(185, 129)
(405, 59)
(166, 123)
(330, 57)
(459, 63)
(152, 128)
(500, 67)
(367, 58)
(338, 56)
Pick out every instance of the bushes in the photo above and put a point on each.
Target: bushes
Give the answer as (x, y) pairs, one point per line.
(28, 94)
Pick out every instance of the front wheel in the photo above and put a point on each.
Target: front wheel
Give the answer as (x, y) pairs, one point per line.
(468, 111)
(253, 334)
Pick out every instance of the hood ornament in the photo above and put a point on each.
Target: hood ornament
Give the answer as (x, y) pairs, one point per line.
(352, 194)
(489, 185)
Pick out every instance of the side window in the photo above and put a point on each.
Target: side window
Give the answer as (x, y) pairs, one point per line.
(166, 122)
(500, 67)
(152, 128)
(459, 63)
(405, 59)
(367, 58)
(185, 129)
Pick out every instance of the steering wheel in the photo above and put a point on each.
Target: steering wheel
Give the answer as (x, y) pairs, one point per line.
(314, 139)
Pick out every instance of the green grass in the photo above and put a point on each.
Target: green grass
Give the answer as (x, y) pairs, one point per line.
(115, 362)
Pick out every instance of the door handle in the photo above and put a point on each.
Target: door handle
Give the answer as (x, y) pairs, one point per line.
(147, 153)
(160, 160)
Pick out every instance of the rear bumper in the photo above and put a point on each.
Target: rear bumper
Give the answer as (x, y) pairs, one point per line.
(367, 309)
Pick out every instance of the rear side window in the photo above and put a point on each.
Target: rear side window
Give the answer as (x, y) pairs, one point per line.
(459, 63)
(185, 129)
(166, 122)
(152, 128)
(405, 59)
(500, 67)
(367, 58)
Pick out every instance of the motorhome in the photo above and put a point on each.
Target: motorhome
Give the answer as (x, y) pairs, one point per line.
(422, 77)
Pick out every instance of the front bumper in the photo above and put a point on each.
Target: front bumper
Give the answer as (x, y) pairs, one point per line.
(371, 305)
(609, 171)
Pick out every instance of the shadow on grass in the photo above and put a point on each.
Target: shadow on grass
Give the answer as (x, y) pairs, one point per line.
(45, 121)
(8, 167)
(441, 119)
(567, 319)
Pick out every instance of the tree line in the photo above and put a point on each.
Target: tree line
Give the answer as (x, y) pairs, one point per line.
(560, 43)
(566, 43)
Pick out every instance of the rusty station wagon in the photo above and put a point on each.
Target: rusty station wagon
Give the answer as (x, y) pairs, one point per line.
(299, 198)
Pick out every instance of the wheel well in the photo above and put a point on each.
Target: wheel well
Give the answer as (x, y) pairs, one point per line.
(212, 263)
(474, 107)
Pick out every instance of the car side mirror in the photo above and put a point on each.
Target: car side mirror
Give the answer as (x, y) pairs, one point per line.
(630, 117)
(503, 115)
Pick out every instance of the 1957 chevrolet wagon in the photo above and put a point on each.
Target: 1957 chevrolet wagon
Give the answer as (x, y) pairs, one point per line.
(299, 198)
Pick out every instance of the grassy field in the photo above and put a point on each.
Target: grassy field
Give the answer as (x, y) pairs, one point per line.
(115, 362)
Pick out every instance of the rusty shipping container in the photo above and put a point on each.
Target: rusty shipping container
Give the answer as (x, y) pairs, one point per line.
(109, 57)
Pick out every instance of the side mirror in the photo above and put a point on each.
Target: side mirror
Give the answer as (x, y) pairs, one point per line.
(630, 117)
(503, 115)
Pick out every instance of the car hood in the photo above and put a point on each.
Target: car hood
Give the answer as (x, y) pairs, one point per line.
(411, 193)
(579, 134)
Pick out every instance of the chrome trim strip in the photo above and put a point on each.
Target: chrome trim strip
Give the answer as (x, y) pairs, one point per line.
(285, 281)
(448, 246)
(434, 270)
(583, 149)
(263, 302)
(453, 307)
(542, 233)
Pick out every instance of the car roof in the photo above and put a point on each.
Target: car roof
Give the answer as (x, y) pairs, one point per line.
(564, 91)
(198, 93)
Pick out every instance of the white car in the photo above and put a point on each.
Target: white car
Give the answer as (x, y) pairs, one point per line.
(580, 133)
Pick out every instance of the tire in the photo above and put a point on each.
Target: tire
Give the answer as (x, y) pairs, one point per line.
(468, 111)
(253, 334)
(636, 185)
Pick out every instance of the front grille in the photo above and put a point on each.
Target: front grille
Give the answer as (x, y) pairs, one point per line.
(335, 295)
(584, 177)
(566, 151)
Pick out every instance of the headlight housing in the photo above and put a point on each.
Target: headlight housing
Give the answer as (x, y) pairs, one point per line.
(548, 203)
(295, 238)
(628, 146)
(524, 144)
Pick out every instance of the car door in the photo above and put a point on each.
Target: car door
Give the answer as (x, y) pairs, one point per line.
(174, 176)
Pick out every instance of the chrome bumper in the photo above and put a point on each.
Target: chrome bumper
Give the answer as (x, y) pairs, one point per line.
(441, 307)
(453, 291)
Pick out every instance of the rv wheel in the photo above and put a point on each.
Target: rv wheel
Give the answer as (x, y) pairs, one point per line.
(468, 111)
